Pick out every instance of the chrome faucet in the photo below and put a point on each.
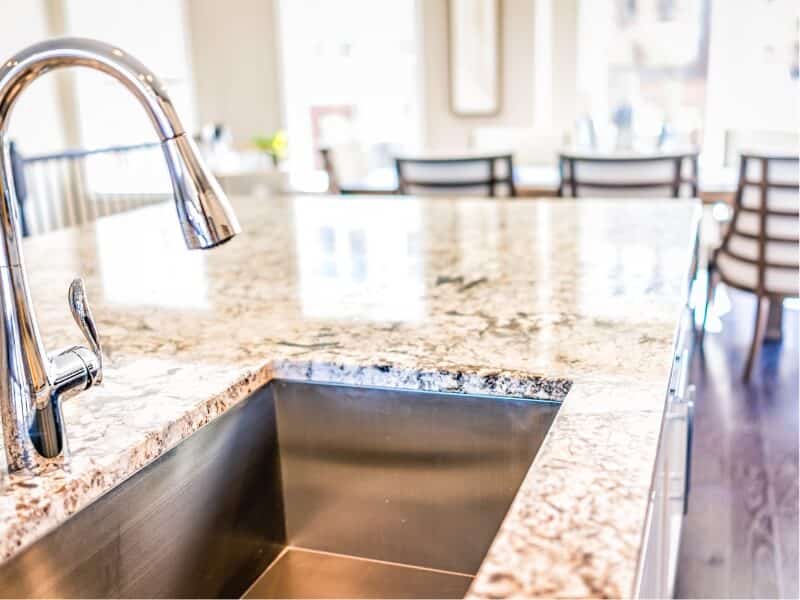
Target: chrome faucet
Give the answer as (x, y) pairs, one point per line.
(33, 383)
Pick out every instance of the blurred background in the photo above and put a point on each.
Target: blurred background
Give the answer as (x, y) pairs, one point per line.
(371, 79)
(331, 96)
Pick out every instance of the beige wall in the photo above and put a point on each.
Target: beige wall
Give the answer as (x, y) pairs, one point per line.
(236, 70)
(564, 65)
(47, 117)
(236, 65)
(441, 128)
(748, 90)
(247, 94)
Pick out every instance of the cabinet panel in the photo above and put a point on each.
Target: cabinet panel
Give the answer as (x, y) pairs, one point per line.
(671, 478)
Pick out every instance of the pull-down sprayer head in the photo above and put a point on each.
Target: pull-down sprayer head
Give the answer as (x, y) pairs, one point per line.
(206, 217)
(33, 383)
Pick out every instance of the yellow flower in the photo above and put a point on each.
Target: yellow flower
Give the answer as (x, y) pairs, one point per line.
(274, 145)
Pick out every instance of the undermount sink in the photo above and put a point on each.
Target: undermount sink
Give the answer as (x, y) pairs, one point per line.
(303, 490)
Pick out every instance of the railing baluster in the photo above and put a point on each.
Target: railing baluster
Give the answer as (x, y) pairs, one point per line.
(60, 192)
(67, 199)
(91, 207)
(55, 205)
(118, 204)
(127, 200)
(40, 198)
(80, 203)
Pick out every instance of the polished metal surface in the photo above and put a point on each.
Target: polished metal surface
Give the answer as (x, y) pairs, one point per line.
(300, 573)
(32, 383)
(407, 477)
(206, 217)
(82, 313)
(204, 520)
(303, 490)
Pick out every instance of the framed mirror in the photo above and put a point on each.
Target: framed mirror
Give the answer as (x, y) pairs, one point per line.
(474, 51)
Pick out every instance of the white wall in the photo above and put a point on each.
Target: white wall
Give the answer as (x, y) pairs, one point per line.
(236, 68)
(78, 107)
(37, 124)
(748, 88)
(155, 32)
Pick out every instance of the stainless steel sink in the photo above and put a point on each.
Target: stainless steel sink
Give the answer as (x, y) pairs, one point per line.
(303, 490)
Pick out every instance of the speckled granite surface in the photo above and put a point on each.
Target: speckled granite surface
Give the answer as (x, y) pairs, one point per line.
(544, 299)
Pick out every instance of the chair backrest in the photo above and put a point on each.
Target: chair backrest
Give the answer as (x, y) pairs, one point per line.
(658, 176)
(344, 164)
(329, 164)
(489, 176)
(759, 252)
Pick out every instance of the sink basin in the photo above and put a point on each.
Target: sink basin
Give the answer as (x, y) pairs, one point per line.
(303, 490)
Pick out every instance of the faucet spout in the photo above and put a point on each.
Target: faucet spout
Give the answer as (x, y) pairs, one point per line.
(32, 384)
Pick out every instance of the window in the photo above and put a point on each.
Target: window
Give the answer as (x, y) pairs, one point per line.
(350, 70)
(108, 114)
(712, 73)
(642, 70)
(753, 99)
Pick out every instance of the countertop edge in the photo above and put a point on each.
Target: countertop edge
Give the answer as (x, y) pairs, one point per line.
(41, 510)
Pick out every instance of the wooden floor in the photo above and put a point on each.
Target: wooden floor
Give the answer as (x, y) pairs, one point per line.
(740, 538)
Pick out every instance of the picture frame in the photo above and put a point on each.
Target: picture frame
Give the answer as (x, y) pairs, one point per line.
(475, 66)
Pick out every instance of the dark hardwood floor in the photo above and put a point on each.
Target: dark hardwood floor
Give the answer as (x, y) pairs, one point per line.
(740, 537)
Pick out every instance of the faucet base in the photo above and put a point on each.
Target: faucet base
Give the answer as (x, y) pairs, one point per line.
(32, 383)
(25, 457)
(47, 430)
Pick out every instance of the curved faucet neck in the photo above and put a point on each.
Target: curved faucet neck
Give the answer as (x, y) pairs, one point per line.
(16, 74)
(31, 382)
(19, 71)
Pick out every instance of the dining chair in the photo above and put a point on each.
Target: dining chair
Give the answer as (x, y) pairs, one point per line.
(658, 175)
(485, 175)
(759, 252)
(347, 171)
(330, 159)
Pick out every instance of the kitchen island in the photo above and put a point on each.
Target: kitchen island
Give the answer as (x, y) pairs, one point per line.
(573, 301)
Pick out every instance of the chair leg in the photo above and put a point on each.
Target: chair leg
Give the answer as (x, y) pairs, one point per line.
(711, 283)
(760, 327)
(775, 321)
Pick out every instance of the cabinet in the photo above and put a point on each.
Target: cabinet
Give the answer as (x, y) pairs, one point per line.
(671, 481)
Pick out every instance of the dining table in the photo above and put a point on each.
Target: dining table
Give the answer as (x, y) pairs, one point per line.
(716, 185)
(244, 171)
(542, 180)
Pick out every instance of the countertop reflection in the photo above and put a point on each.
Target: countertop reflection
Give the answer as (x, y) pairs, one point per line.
(553, 289)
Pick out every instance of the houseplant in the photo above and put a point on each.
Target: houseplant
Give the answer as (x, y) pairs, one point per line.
(274, 145)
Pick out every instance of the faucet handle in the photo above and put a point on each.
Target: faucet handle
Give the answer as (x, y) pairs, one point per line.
(79, 305)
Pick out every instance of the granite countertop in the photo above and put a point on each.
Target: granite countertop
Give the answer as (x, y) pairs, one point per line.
(566, 300)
